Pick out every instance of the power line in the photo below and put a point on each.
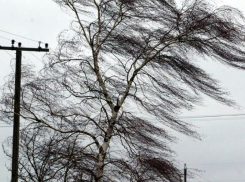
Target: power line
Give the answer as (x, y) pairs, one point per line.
(220, 180)
(9, 54)
(35, 56)
(5, 38)
(225, 163)
(28, 51)
(211, 116)
(191, 117)
(24, 38)
(203, 178)
(199, 176)
(19, 36)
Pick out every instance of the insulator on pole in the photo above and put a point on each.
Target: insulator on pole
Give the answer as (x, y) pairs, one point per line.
(13, 41)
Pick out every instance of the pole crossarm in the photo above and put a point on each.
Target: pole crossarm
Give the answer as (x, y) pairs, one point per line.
(24, 49)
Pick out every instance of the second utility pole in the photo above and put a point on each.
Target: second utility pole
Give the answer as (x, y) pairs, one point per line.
(15, 152)
(185, 173)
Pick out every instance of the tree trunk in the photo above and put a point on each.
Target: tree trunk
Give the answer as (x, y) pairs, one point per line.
(103, 149)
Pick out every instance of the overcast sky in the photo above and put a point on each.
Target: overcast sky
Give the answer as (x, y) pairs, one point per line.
(220, 154)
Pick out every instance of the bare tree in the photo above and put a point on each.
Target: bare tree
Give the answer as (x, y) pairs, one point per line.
(48, 156)
(120, 77)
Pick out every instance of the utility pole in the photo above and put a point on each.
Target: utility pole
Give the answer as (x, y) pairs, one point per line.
(185, 173)
(15, 152)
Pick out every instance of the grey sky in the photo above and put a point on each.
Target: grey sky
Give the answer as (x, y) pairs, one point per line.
(221, 152)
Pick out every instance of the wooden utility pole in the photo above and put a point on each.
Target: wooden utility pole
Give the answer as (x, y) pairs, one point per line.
(15, 152)
(185, 173)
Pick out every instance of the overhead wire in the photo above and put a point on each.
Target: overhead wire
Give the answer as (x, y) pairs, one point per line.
(20, 36)
(210, 164)
(208, 180)
(35, 56)
(8, 54)
(5, 38)
(219, 180)
(196, 117)
(24, 38)
(212, 116)
(28, 51)
(202, 177)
